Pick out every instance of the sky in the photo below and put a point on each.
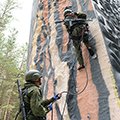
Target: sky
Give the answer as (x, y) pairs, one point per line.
(22, 20)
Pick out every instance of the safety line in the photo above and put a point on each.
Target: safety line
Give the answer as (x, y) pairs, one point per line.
(77, 93)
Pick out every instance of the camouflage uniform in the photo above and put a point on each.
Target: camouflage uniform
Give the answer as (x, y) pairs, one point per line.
(78, 32)
(35, 107)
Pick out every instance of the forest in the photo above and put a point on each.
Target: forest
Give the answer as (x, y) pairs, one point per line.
(12, 61)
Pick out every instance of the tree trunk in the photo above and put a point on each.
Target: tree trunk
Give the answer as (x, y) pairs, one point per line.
(7, 111)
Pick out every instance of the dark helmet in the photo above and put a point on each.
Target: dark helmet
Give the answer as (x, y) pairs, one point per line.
(32, 75)
(67, 10)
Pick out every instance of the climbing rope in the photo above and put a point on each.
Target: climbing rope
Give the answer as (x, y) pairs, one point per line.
(77, 93)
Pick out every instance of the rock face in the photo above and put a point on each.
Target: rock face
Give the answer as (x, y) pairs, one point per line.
(88, 94)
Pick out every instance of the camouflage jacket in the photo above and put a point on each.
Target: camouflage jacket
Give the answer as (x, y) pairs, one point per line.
(36, 108)
(76, 28)
(75, 23)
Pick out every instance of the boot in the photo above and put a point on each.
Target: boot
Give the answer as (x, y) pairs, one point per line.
(81, 67)
(91, 52)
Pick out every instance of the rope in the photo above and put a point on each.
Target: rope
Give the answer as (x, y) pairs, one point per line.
(52, 114)
(63, 110)
(77, 93)
(85, 84)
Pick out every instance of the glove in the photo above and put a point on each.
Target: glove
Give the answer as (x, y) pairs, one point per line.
(56, 97)
(50, 106)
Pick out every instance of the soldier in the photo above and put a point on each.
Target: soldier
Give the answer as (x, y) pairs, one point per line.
(35, 107)
(78, 32)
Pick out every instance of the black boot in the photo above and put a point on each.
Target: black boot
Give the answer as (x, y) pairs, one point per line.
(81, 67)
(91, 51)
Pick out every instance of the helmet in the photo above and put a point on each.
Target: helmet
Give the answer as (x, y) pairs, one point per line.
(32, 75)
(67, 10)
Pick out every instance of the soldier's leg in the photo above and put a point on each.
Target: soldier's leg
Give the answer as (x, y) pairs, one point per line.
(80, 60)
(87, 44)
(79, 55)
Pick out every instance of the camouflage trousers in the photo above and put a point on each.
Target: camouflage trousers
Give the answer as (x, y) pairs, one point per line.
(78, 50)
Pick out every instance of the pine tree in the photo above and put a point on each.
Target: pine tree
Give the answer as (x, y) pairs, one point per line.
(11, 60)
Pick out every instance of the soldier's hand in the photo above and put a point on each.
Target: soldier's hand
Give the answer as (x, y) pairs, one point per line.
(50, 106)
(57, 97)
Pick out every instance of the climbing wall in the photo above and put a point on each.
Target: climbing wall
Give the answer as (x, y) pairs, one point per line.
(92, 93)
